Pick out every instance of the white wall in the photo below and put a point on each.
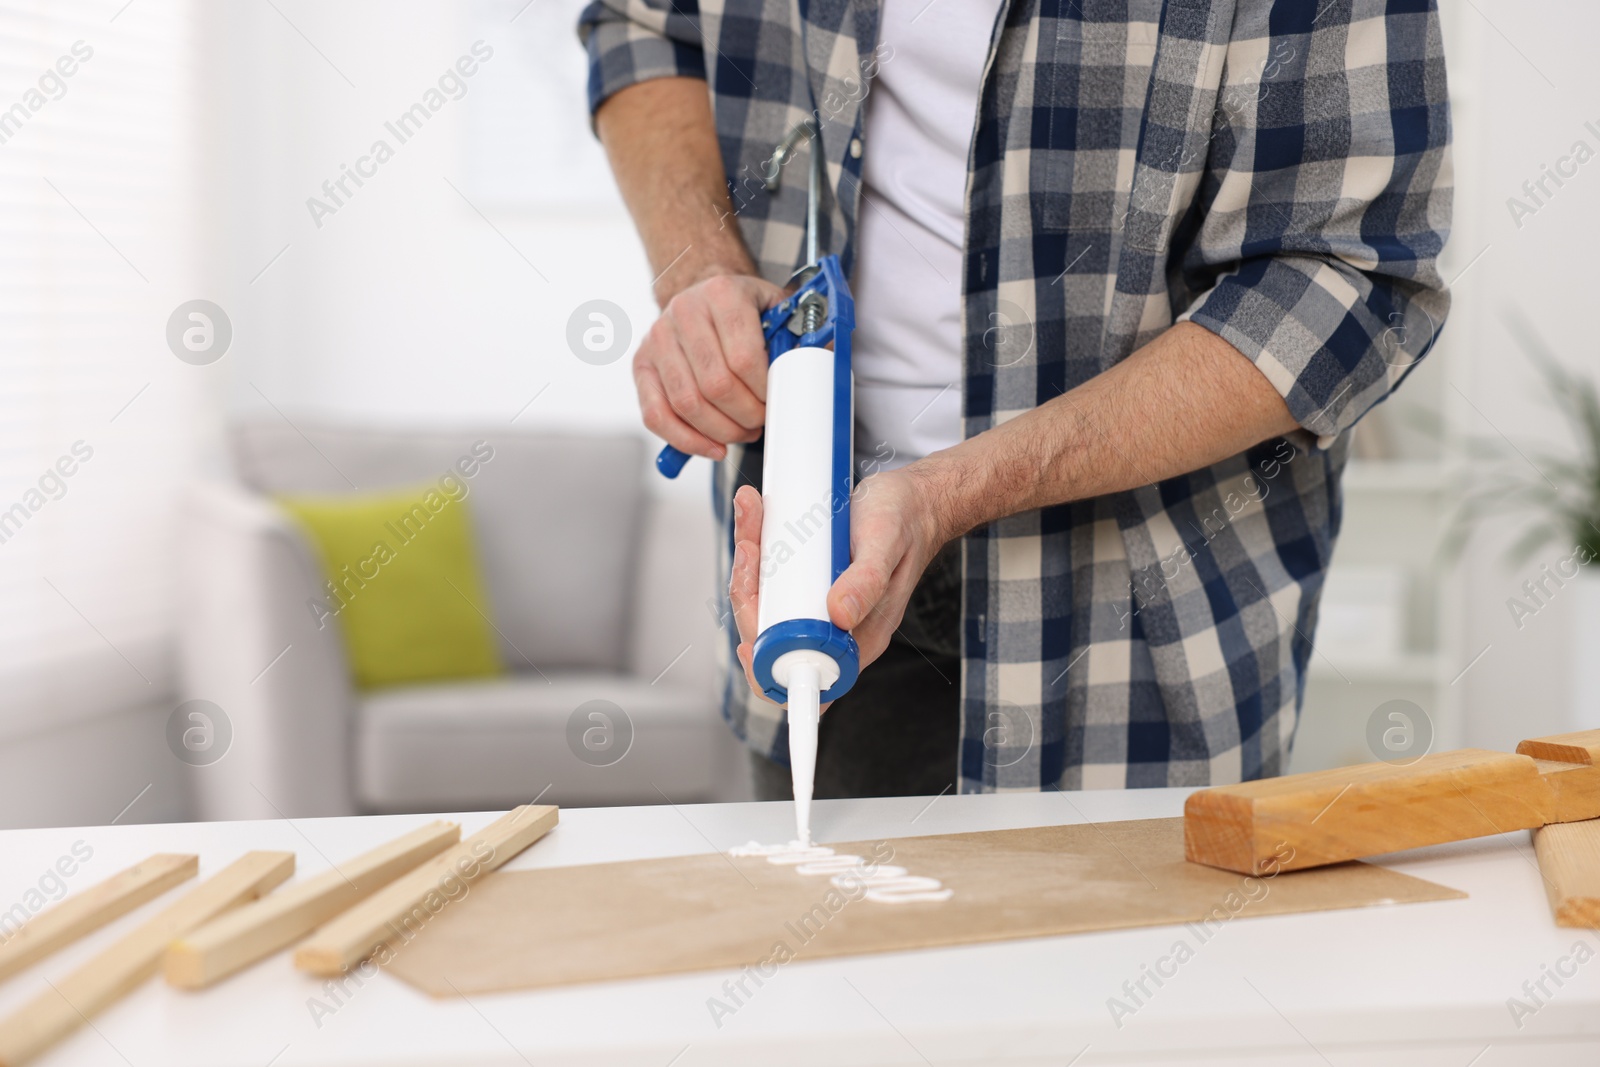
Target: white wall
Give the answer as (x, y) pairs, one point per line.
(1533, 87)
(407, 304)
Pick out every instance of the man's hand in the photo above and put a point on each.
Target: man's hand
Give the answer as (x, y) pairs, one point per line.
(894, 535)
(701, 371)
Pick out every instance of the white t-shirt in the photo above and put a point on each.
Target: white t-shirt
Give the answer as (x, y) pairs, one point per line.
(911, 228)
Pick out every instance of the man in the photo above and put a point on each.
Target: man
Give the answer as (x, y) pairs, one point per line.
(1127, 273)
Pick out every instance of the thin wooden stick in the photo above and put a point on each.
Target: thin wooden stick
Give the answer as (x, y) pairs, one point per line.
(257, 930)
(68, 1004)
(402, 908)
(1569, 860)
(91, 909)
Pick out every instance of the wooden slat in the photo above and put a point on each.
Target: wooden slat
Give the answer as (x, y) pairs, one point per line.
(93, 908)
(1580, 747)
(1569, 860)
(254, 931)
(408, 903)
(61, 1009)
(1307, 820)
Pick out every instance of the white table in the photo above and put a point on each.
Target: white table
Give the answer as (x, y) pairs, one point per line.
(1413, 985)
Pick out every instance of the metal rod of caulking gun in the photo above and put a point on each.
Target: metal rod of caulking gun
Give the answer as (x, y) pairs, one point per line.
(814, 192)
(772, 176)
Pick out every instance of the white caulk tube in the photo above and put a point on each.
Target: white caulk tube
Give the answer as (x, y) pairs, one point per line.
(801, 658)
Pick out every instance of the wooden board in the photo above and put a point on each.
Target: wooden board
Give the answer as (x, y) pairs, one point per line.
(93, 908)
(69, 1003)
(1569, 861)
(242, 937)
(1306, 820)
(530, 929)
(412, 900)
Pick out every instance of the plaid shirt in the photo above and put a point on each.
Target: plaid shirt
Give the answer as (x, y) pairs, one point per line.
(1276, 171)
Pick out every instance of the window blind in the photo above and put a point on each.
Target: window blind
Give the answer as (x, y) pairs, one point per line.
(101, 213)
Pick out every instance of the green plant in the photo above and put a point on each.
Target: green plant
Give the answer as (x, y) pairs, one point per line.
(1560, 489)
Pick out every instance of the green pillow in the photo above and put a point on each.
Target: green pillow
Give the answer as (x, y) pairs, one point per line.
(403, 583)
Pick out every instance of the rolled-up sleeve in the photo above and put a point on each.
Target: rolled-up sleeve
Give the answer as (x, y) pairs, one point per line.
(631, 41)
(1326, 202)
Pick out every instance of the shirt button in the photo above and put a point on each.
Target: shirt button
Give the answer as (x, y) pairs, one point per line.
(855, 148)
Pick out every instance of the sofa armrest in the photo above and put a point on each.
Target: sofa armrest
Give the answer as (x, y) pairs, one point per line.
(674, 625)
(249, 643)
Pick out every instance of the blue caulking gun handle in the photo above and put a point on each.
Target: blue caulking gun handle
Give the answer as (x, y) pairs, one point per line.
(671, 460)
(774, 327)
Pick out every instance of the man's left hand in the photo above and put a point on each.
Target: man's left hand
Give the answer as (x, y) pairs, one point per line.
(894, 535)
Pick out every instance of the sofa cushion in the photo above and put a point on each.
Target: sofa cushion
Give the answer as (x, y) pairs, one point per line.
(403, 583)
(556, 516)
(578, 738)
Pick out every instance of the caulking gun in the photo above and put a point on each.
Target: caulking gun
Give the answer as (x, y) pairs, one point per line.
(801, 658)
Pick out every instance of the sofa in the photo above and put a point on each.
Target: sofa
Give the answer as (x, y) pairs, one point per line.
(601, 601)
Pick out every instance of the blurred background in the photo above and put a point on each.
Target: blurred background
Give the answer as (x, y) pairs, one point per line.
(224, 309)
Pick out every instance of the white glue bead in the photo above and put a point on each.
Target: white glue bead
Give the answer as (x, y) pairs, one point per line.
(831, 865)
(864, 878)
(799, 855)
(908, 890)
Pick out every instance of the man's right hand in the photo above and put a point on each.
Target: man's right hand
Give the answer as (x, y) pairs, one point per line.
(701, 371)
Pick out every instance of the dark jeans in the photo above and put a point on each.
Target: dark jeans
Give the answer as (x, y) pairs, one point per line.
(896, 732)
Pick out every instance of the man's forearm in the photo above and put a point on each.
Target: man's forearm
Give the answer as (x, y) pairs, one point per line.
(662, 143)
(1186, 400)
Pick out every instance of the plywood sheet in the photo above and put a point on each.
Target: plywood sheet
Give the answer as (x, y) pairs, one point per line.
(531, 929)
